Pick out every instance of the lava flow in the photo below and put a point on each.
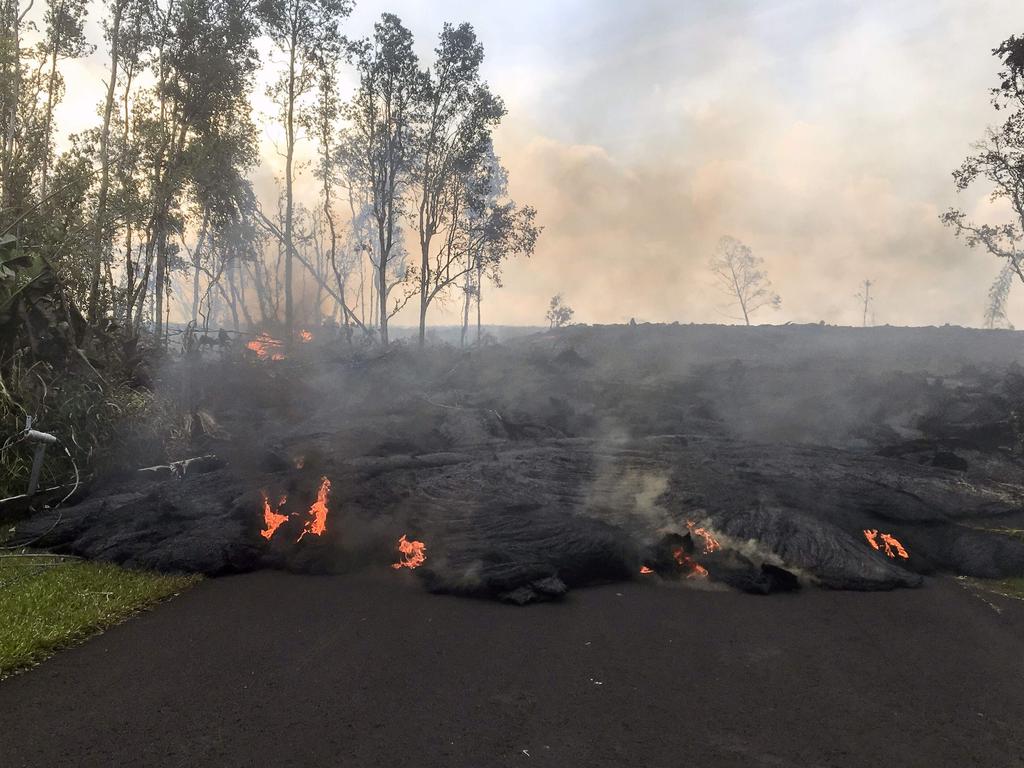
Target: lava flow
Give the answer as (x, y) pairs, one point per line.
(272, 518)
(317, 522)
(885, 542)
(412, 554)
(694, 569)
(710, 542)
(266, 347)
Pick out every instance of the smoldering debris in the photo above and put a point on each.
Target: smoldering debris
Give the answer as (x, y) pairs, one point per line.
(526, 471)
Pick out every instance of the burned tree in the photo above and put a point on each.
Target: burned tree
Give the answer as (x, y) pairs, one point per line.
(998, 159)
(866, 300)
(741, 277)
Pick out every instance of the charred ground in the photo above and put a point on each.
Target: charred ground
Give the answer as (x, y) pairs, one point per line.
(580, 456)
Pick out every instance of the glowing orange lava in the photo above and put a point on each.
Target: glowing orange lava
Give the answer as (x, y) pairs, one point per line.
(710, 542)
(885, 542)
(266, 347)
(694, 569)
(644, 570)
(317, 522)
(305, 336)
(412, 554)
(272, 519)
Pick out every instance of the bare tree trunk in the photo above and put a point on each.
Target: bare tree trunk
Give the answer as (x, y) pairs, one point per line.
(99, 239)
(197, 261)
(465, 309)
(479, 296)
(289, 308)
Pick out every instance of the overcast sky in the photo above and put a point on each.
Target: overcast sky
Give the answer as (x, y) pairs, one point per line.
(820, 132)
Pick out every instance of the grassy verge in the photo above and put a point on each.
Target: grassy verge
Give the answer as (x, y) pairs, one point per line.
(48, 603)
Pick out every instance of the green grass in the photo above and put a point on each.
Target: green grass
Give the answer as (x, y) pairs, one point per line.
(47, 603)
(1009, 587)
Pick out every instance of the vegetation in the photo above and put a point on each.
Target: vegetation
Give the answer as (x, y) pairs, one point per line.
(741, 277)
(151, 216)
(559, 313)
(49, 603)
(998, 161)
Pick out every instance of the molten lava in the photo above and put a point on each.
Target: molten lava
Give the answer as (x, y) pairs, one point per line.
(317, 522)
(266, 347)
(885, 542)
(412, 554)
(702, 534)
(694, 570)
(272, 519)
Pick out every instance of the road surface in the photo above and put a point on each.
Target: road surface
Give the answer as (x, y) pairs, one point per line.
(271, 669)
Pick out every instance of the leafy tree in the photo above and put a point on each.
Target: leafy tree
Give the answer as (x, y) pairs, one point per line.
(998, 294)
(64, 38)
(457, 113)
(740, 276)
(998, 159)
(308, 33)
(377, 147)
(559, 313)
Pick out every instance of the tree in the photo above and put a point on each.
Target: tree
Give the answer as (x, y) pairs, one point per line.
(377, 150)
(457, 113)
(64, 39)
(866, 300)
(204, 70)
(998, 294)
(998, 159)
(559, 313)
(306, 32)
(741, 277)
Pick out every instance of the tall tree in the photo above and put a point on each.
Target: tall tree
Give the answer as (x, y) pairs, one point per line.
(64, 38)
(305, 31)
(998, 159)
(204, 76)
(456, 115)
(377, 147)
(741, 277)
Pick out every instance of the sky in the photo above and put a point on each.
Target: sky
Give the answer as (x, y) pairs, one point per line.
(822, 133)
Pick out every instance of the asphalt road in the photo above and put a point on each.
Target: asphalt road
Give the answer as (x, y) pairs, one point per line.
(278, 670)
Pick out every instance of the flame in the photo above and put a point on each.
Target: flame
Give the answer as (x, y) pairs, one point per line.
(300, 462)
(644, 570)
(710, 542)
(305, 336)
(266, 347)
(272, 518)
(412, 554)
(694, 569)
(885, 542)
(317, 522)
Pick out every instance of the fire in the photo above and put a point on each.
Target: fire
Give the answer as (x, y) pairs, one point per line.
(710, 542)
(317, 523)
(266, 347)
(272, 518)
(411, 554)
(644, 570)
(885, 542)
(694, 569)
(305, 336)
